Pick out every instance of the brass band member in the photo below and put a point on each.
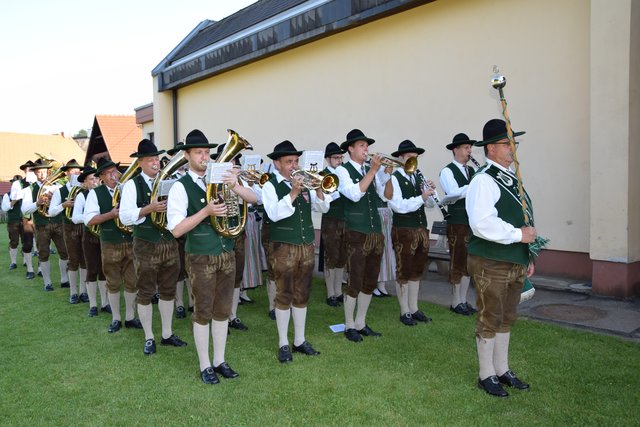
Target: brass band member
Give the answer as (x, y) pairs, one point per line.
(454, 179)
(409, 232)
(72, 235)
(209, 256)
(116, 246)
(498, 259)
(332, 229)
(19, 227)
(363, 228)
(47, 228)
(155, 252)
(291, 253)
(91, 246)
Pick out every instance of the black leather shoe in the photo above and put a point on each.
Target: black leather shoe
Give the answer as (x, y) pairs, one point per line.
(510, 379)
(155, 298)
(421, 317)
(39, 273)
(48, 288)
(352, 335)
(73, 299)
(65, 285)
(333, 302)
(93, 311)
(340, 298)
(470, 309)
(407, 320)
(12, 266)
(460, 309)
(272, 314)
(30, 275)
(106, 308)
(115, 326)
(190, 309)
(149, 347)
(284, 354)
(84, 297)
(368, 332)
(133, 323)
(209, 376)
(173, 340)
(376, 293)
(305, 348)
(237, 324)
(492, 386)
(225, 370)
(180, 314)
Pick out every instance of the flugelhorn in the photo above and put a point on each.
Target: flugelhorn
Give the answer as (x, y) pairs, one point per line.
(159, 219)
(132, 171)
(232, 224)
(312, 179)
(409, 166)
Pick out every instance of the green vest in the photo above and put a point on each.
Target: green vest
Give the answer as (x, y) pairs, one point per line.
(458, 209)
(147, 230)
(509, 210)
(109, 231)
(15, 213)
(363, 215)
(40, 219)
(336, 209)
(298, 228)
(64, 194)
(417, 218)
(203, 238)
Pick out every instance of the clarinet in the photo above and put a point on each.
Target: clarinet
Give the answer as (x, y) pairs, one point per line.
(474, 161)
(445, 214)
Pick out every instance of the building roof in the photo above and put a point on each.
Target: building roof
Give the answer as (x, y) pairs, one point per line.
(115, 137)
(17, 148)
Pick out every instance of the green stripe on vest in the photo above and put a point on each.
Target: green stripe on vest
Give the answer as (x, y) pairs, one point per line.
(146, 230)
(458, 209)
(363, 215)
(298, 228)
(109, 231)
(417, 218)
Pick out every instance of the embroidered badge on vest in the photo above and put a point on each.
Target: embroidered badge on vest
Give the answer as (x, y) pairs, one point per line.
(506, 179)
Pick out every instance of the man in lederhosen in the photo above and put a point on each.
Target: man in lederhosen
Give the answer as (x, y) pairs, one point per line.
(91, 251)
(72, 235)
(409, 233)
(155, 252)
(454, 179)
(116, 246)
(291, 253)
(363, 229)
(209, 256)
(332, 231)
(47, 228)
(19, 227)
(498, 256)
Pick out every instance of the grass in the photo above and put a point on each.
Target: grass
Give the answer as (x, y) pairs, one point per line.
(60, 367)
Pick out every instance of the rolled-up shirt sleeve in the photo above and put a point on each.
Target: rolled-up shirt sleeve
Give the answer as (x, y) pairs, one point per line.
(276, 209)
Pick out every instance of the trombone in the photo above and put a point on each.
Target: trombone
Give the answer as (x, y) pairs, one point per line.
(409, 166)
(312, 179)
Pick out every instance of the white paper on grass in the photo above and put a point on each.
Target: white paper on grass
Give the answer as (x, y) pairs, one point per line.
(337, 328)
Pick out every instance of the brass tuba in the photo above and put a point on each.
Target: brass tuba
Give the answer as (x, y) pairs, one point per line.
(159, 219)
(55, 177)
(132, 171)
(223, 225)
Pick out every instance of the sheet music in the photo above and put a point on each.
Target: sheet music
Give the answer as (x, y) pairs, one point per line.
(216, 170)
(254, 160)
(312, 160)
(164, 187)
(73, 181)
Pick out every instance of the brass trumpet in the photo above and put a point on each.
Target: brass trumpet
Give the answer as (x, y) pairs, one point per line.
(409, 166)
(312, 179)
(252, 175)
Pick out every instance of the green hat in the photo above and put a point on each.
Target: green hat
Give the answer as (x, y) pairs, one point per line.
(27, 164)
(493, 131)
(41, 164)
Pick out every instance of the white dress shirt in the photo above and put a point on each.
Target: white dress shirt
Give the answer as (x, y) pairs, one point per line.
(92, 207)
(450, 185)
(55, 207)
(336, 194)
(400, 205)
(17, 191)
(28, 204)
(129, 212)
(482, 195)
(178, 201)
(351, 190)
(6, 202)
(77, 217)
(283, 208)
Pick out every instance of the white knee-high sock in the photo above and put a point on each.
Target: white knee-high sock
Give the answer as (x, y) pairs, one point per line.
(329, 276)
(485, 357)
(501, 353)
(455, 295)
(62, 264)
(92, 288)
(282, 323)
(130, 305)
(464, 287)
(271, 294)
(45, 268)
(145, 312)
(13, 254)
(104, 298)
(414, 289)
(234, 304)
(73, 280)
(180, 293)
(361, 315)
(166, 317)
(402, 292)
(201, 338)
(382, 287)
(299, 319)
(28, 259)
(219, 331)
(337, 281)
(349, 310)
(114, 301)
(83, 280)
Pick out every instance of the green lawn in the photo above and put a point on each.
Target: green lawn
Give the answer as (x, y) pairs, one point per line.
(60, 367)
